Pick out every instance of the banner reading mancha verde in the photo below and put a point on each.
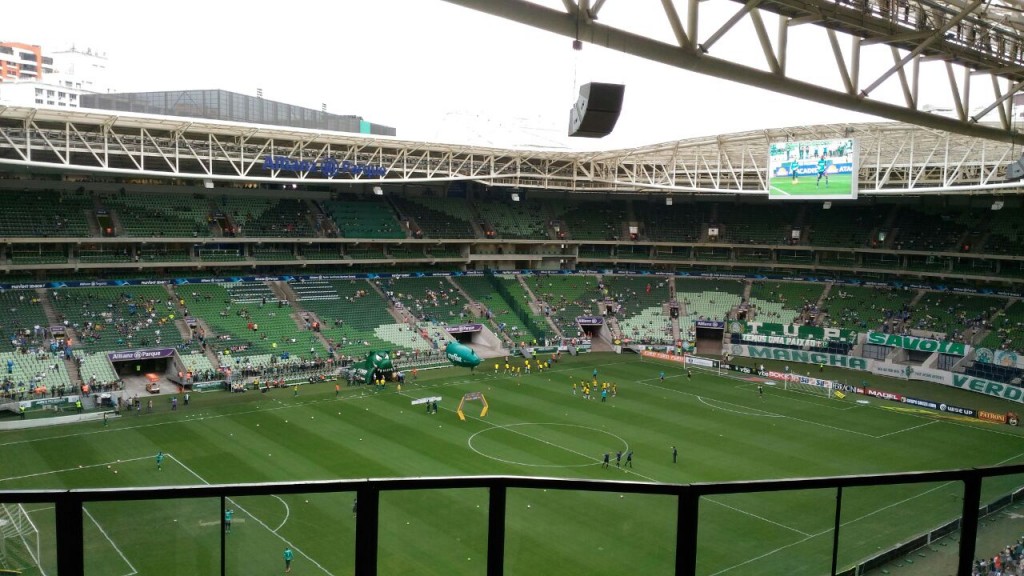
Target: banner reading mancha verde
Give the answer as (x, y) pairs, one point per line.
(789, 355)
(918, 344)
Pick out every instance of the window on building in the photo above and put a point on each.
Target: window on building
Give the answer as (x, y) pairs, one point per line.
(39, 91)
(39, 100)
(49, 93)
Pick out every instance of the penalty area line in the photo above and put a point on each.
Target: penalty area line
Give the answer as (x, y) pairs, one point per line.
(258, 521)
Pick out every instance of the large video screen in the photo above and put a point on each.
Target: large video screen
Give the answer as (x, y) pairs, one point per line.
(813, 170)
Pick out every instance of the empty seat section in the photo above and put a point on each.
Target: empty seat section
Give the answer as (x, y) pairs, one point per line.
(705, 300)
(867, 308)
(565, 298)
(246, 318)
(354, 317)
(44, 214)
(429, 299)
(439, 217)
(154, 214)
(641, 314)
(364, 218)
(784, 302)
(21, 311)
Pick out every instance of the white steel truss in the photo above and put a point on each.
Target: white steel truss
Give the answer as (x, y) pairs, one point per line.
(969, 42)
(893, 158)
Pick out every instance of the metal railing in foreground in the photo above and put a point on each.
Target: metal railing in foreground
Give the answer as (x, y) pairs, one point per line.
(70, 532)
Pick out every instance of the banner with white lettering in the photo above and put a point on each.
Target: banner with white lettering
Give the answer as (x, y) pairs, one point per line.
(918, 344)
(891, 370)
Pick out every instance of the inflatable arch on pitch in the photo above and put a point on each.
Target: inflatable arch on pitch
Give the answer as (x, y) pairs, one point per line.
(472, 396)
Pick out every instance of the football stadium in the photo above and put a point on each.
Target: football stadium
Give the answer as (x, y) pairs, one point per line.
(240, 347)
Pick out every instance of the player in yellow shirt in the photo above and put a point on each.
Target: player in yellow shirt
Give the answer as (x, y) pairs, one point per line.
(496, 365)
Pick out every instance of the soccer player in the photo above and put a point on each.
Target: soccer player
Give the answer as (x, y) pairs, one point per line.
(689, 374)
(675, 453)
(288, 559)
(661, 375)
(496, 368)
(618, 458)
(760, 391)
(615, 391)
(228, 514)
(604, 464)
(793, 166)
(160, 460)
(337, 389)
(573, 388)
(604, 395)
(822, 167)
(629, 458)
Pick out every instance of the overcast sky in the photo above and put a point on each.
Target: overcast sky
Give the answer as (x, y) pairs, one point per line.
(436, 71)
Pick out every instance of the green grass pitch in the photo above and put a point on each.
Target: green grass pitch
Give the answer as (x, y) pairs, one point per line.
(535, 426)
(839, 185)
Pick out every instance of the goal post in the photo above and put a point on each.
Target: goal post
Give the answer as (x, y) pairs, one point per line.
(19, 540)
(472, 396)
(814, 386)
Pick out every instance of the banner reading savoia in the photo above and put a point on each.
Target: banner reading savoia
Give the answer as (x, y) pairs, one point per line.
(919, 344)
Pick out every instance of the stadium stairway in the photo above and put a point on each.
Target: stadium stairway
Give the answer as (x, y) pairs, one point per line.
(400, 316)
(536, 307)
(284, 291)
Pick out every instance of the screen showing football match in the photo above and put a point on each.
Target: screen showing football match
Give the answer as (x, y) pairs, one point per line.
(813, 170)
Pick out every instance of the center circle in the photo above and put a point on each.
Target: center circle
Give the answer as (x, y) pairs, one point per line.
(546, 444)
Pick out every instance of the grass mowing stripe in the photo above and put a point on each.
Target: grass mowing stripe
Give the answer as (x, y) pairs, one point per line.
(112, 543)
(258, 521)
(102, 464)
(639, 475)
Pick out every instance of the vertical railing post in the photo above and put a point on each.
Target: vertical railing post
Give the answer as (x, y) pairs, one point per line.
(70, 535)
(367, 521)
(835, 529)
(969, 523)
(496, 530)
(223, 536)
(686, 532)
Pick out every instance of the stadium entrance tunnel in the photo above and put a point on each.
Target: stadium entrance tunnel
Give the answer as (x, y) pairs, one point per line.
(475, 338)
(152, 370)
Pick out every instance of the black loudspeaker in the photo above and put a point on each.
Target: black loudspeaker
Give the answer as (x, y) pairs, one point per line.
(597, 110)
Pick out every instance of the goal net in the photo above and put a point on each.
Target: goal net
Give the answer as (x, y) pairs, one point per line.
(19, 539)
(808, 385)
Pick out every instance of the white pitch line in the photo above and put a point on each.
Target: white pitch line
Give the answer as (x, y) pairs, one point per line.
(755, 413)
(762, 518)
(793, 418)
(258, 521)
(109, 539)
(629, 471)
(908, 429)
(287, 513)
(8, 479)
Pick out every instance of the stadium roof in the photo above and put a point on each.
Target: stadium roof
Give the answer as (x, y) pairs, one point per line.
(894, 158)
